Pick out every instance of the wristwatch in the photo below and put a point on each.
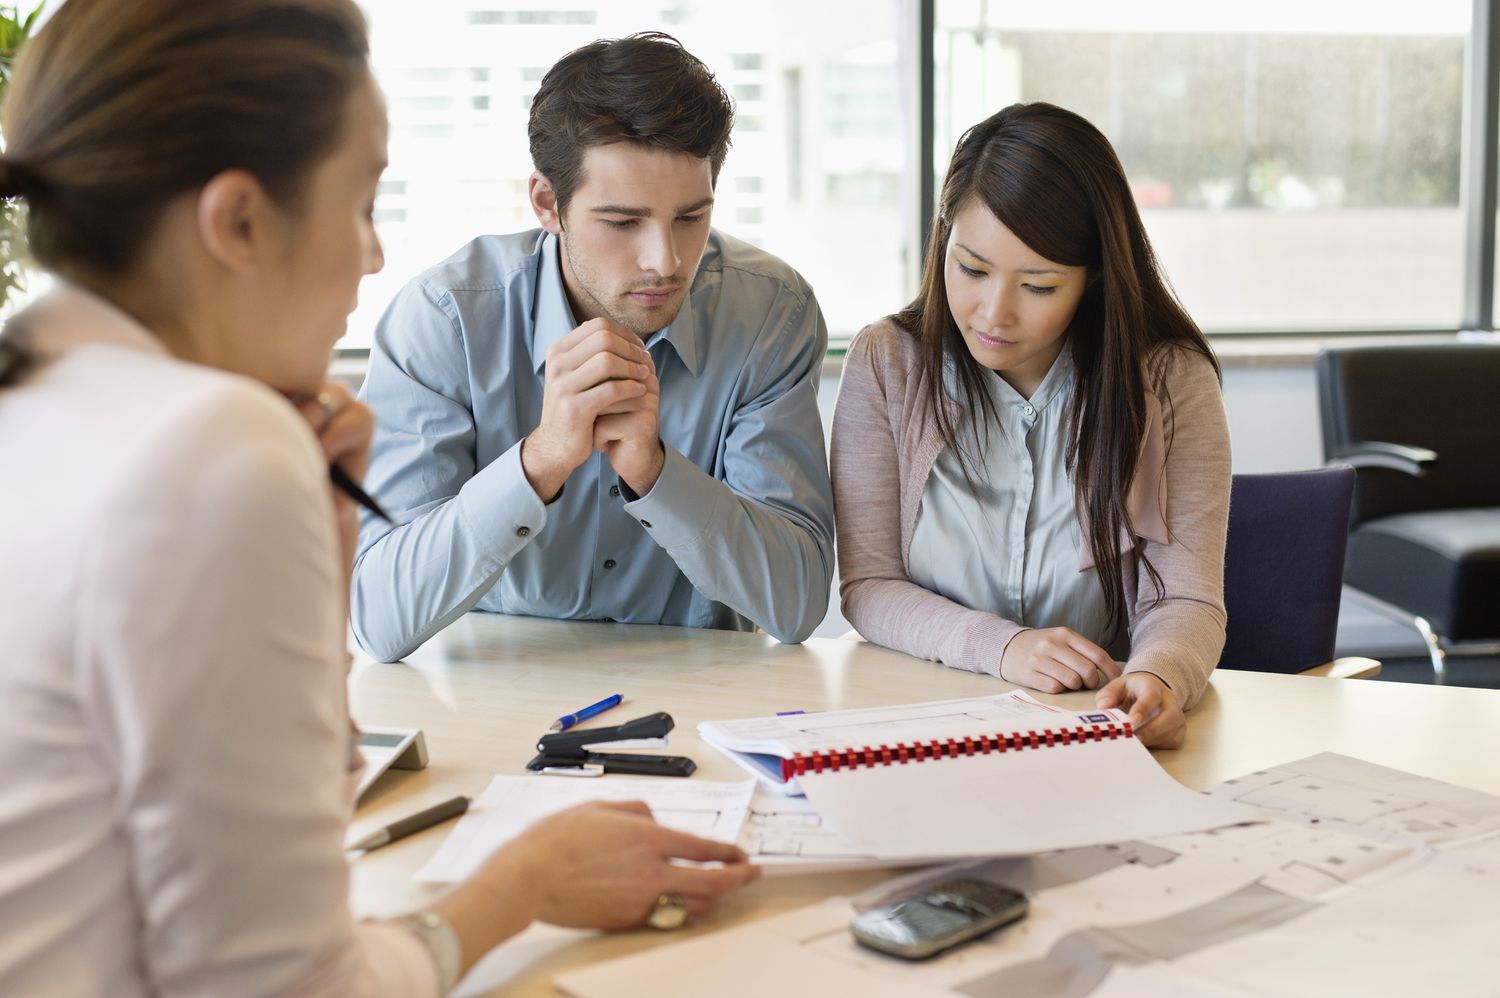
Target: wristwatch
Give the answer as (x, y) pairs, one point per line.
(437, 935)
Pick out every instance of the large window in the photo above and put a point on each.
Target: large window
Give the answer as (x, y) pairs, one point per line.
(815, 175)
(1297, 164)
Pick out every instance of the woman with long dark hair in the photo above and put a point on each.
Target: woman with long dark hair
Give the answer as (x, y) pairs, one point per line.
(1031, 461)
(174, 568)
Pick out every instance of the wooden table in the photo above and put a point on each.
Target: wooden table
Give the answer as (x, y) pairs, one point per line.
(488, 685)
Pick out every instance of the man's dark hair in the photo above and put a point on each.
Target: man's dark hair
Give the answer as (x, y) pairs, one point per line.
(646, 89)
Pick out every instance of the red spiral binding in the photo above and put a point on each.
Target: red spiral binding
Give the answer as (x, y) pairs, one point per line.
(869, 757)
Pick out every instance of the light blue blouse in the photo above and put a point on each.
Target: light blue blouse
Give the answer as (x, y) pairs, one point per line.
(1010, 546)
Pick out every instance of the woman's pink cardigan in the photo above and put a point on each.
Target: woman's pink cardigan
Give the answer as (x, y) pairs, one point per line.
(884, 443)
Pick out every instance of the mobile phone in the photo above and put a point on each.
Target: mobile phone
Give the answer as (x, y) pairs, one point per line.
(938, 917)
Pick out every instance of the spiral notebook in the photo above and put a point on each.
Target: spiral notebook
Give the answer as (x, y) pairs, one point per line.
(1004, 774)
(784, 748)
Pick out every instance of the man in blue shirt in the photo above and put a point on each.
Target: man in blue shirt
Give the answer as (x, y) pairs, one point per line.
(613, 417)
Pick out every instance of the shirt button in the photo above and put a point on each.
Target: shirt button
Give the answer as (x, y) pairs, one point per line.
(1028, 410)
(646, 524)
(609, 563)
(614, 491)
(523, 531)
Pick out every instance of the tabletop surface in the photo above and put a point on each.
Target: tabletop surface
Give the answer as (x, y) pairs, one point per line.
(486, 687)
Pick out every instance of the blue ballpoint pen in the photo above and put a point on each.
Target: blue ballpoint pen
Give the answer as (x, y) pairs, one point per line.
(568, 720)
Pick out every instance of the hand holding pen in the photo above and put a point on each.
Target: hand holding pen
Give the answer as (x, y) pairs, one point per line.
(344, 427)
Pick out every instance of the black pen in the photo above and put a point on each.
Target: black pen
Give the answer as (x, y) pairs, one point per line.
(412, 824)
(350, 488)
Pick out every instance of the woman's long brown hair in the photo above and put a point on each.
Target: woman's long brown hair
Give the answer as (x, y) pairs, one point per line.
(1054, 180)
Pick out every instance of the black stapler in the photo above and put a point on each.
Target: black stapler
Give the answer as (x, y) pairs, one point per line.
(570, 752)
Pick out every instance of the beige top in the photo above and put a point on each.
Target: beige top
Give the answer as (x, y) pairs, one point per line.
(883, 448)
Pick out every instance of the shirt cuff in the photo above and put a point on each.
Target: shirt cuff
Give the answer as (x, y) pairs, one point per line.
(681, 506)
(500, 508)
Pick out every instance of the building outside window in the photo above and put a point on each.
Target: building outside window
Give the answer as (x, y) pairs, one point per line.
(815, 173)
(1297, 164)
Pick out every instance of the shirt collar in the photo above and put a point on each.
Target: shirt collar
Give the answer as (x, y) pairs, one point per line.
(1058, 377)
(683, 335)
(552, 316)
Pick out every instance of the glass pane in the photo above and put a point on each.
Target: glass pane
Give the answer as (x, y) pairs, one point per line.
(1297, 168)
(815, 175)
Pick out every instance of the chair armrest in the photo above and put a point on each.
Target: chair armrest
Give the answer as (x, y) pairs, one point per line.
(1345, 668)
(1404, 458)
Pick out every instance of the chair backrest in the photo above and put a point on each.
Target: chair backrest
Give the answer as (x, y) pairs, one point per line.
(1445, 398)
(1284, 568)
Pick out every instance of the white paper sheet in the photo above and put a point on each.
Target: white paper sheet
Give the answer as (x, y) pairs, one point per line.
(1382, 803)
(1430, 931)
(1363, 902)
(1015, 802)
(785, 835)
(781, 830)
(1105, 922)
(711, 810)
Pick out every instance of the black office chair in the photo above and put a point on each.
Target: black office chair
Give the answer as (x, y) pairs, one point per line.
(1422, 426)
(1283, 573)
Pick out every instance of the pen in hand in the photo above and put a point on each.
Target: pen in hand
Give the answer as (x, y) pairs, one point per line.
(412, 824)
(347, 485)
(328, 407)
(568, 720)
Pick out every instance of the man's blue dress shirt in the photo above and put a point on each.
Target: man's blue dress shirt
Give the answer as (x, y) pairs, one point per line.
(737, 531)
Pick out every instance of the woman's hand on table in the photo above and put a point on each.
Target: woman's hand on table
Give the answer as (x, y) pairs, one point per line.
(1155, 712)
(604, 865)
(1055, 660)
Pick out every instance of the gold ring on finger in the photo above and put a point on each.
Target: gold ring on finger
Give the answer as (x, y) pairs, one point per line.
(669, 912)
(329, 405)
